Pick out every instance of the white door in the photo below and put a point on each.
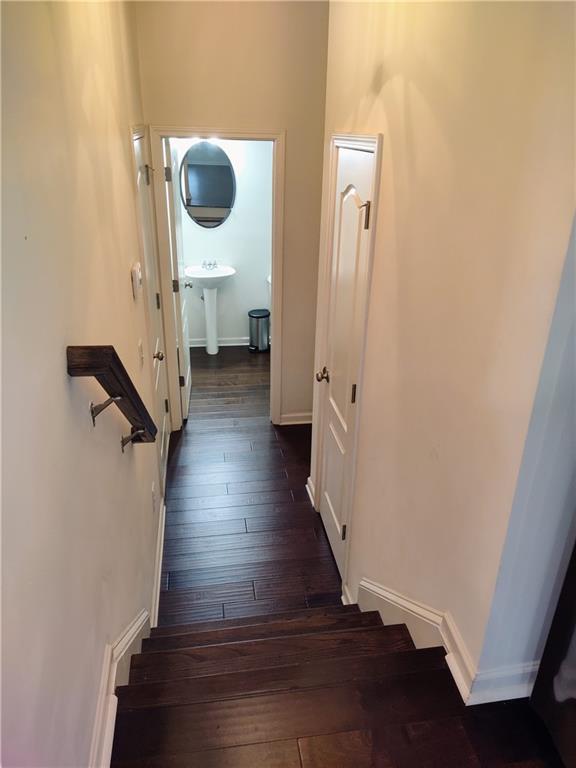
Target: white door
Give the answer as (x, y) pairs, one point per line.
(152, 296)
(179, 279)
(345, 298)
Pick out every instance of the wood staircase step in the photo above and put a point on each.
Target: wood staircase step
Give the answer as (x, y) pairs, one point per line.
(256, 619)
(286, 715)
(298, 625)
(270, 652)
(294, 676)
(276, 754)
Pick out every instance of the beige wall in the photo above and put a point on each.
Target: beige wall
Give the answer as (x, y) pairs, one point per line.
(252, 66)
(78, 523)
(475, 104)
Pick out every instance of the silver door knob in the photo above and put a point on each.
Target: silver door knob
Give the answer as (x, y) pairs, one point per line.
(323, 375)
(188, 285)
(158, 356)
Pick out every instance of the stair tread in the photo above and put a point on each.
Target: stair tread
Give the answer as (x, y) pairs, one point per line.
(293, 676)
(285, 715)
(256, 619)
(286, 627)
(268, 652)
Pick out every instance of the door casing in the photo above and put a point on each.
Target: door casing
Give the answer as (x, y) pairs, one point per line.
(140, 132)
(365, 143)
(157, 135)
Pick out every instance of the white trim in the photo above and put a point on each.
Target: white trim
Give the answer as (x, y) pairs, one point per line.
(512, 682)
(311, 492)
(232, 341)
(458, 658)
(347, 598)
(158, 567)
(107, 703)
(278, 137)
(476, 686)
(286, 419)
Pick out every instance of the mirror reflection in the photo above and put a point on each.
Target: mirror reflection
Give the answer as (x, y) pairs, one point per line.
(207, 184)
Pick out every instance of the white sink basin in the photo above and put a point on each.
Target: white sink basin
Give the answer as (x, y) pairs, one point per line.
(209, 278)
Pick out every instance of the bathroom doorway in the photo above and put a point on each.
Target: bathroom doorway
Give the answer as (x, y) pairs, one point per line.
(219, 211)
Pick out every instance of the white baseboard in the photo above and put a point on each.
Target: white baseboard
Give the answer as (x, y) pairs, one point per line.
(158, 566)
(311, 491)
(229, 341)
(512, 682)
(429, 626)
(287, 419)
(347, 598)
(114, 672)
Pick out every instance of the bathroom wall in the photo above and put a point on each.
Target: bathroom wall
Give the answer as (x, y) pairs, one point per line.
(253, 66)
(243, 241)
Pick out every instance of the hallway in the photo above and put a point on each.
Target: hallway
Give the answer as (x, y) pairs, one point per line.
(241, 535)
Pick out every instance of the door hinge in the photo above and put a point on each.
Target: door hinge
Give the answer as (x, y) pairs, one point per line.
(166, 406)
(182, 381)
(157, 301)
(353, 398)
(176, 286)
(366, 207)
(343, 533)
(147, 170)
(168, 173)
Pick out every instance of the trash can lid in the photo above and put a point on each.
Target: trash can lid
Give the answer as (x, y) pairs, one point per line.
(259, 313)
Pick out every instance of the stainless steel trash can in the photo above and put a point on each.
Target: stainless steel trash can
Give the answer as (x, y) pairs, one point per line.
(259, 320)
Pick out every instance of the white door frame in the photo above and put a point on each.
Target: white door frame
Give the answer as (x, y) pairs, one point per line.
(315, 481)
(141, 132)
(157, 134)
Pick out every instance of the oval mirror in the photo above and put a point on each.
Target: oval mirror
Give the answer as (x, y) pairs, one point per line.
(207, 184)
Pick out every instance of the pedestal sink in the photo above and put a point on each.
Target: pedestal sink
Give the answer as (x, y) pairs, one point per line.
(209, 278)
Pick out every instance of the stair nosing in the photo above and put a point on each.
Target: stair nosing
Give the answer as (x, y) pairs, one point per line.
(319, 631)
(233, 622)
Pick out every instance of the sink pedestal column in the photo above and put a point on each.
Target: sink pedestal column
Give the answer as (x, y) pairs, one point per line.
(210, 308)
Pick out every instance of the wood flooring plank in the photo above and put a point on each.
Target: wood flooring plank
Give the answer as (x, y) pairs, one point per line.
(294, 624)
(238, 500)
(228, 475)
(275, 754)
(257, 486)
(248, 556)
(259, 622)
(290, 677)
(210, 593)
(233, 512)
(213, 528)
(194, 613)
(266, 589)
(192, 577)
(237, 541)
(260, 607)
(284, 521)
(286, 715)
(266, 653)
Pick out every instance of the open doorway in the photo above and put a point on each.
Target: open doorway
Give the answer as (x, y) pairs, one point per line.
(219, 227)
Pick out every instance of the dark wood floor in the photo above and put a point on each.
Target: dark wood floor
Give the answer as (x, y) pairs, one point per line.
(256, 663)
(241, 535)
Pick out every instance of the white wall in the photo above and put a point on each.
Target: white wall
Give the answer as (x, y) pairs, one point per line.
(78, 536)
(243, 241)
(542, 526)
(475, 102)
(264, 69)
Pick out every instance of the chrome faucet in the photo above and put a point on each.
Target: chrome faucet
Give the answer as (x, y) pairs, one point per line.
(209, 265)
